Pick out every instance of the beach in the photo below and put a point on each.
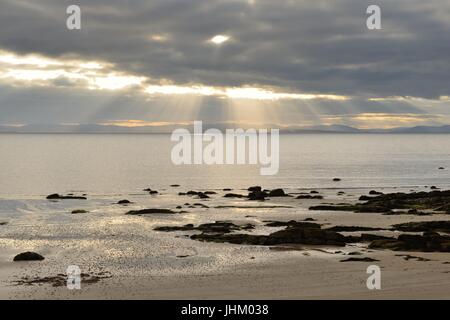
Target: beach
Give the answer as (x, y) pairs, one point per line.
(133, 261)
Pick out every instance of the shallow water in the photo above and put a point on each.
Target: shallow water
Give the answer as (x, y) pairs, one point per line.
(39, 164)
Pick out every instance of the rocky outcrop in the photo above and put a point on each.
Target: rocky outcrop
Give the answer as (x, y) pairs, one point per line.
(428, 242)
(438, 201)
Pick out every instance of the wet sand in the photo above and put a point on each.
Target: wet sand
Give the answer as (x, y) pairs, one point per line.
(146, 264)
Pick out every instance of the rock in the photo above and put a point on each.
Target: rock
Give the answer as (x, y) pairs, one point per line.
(181, 193)
(277, 193)
(218, 227)
(153, 192)
(151, 211)
(186, 227)
(147, 190)
(314, 192)
(309, 219)
(210, 192)
(365, 198)
(257, 195)
(233, 195)
(424, 226)
(365, 259)
(336, 179)
(340, 193)
(124, 201)
(79, 211)
(386, 203)
(376, 193)
(255, 188)
(441, 168)
(192, 193)
(434, 188)
(56, 196)
(227, 189)
(307, 196)
(352, 229)
(298, 233)
(179, 207)
(201, 195)
(428, 242)
(28, 256)
(293, 223)
(3, 223)
(174, 185)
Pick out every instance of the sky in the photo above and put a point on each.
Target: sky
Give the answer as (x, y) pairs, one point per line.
(251, 62)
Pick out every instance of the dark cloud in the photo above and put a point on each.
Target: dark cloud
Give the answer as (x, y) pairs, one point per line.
(301, 46)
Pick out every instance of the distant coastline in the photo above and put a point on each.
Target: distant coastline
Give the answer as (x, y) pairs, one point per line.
(165, 129)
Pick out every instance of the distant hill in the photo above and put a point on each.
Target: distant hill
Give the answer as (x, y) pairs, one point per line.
(98, 128)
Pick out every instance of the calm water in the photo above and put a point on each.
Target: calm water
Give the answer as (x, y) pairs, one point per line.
(38, 164)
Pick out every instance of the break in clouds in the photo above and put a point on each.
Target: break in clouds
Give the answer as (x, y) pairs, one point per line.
(289, 63)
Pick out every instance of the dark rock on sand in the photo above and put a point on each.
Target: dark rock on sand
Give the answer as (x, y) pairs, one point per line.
(375, 193)
(441, 168)
(79, 211)
(210, 192)
(352, 229)
(422, 226)
(202, 195)
(151, 211)
(414, 212)
(336, 179)
(314, 192)
(218, 227)
(124, 201)
(257, 195)
(233, 195)
(181, 193)
(174, 185)
(277, 193)
(192, 193)
(56, 196)
(385, 203)
(292, 223)
(428, 242)
(28, 256)
(254, 188)
(227, 189)
(365, 259)
(307, 196)
(153, 192)
(3, 223)
(301, 233)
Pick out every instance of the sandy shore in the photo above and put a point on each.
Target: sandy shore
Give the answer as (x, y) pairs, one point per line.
(145, 264)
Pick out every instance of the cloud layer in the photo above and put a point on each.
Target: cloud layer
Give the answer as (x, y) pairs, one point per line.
(305, 62)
